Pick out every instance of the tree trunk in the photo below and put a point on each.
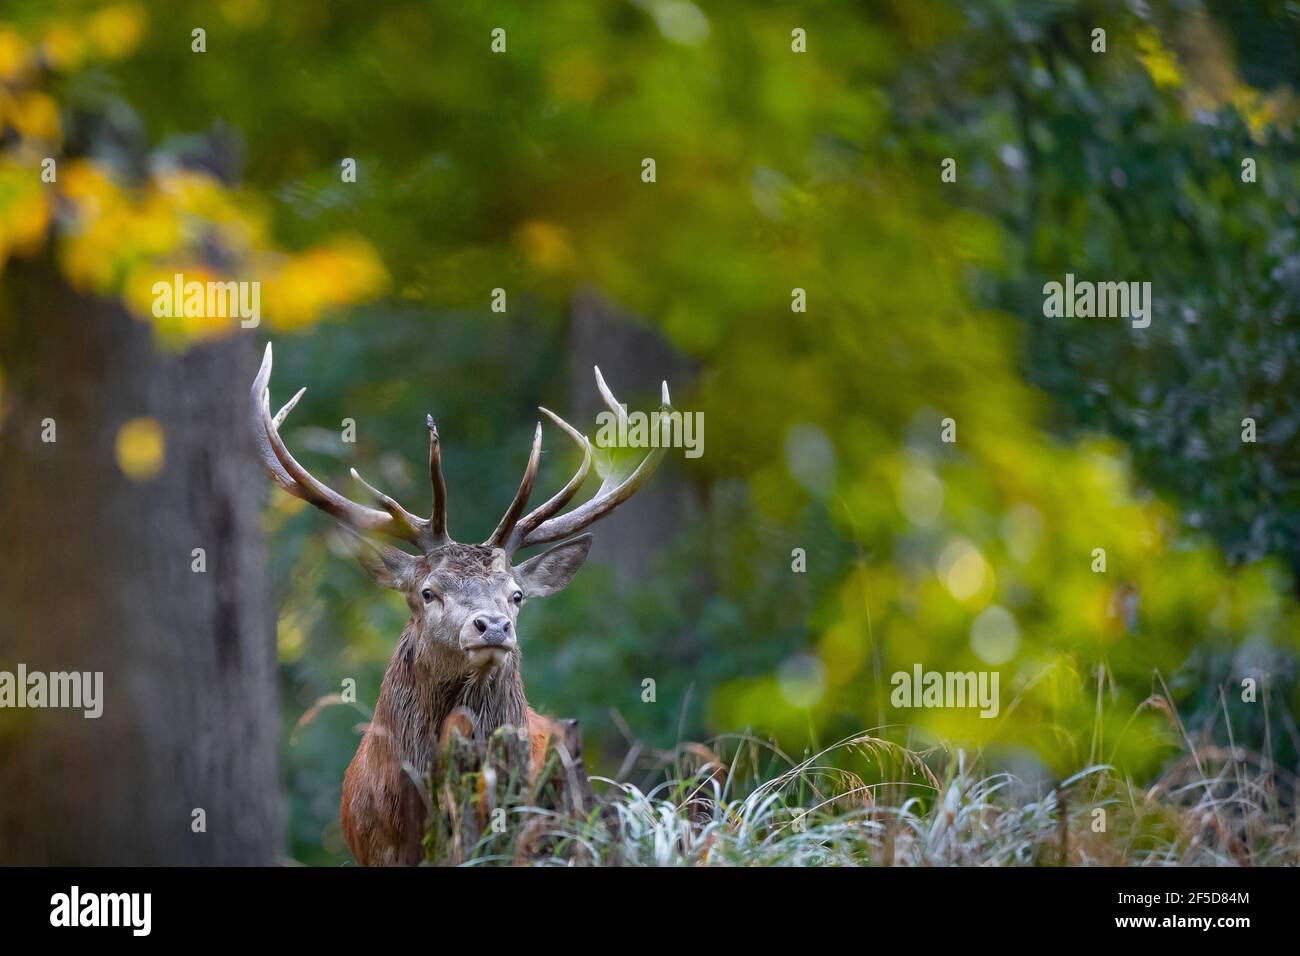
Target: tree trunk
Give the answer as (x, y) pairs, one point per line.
(96, 575)
(634, 359)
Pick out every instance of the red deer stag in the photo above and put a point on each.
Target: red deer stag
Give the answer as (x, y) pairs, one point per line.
(459, 653)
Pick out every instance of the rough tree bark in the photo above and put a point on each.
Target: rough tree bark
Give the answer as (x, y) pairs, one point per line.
(95, 575)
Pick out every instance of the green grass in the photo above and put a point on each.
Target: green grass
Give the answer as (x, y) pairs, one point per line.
(1214, 806)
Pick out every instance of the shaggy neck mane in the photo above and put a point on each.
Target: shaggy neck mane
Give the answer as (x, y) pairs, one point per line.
(418, 694)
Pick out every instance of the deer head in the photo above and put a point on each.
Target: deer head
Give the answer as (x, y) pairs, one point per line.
(464, 598)
(457, 661)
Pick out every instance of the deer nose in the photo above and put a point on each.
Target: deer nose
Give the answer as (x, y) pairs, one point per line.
(495, 628)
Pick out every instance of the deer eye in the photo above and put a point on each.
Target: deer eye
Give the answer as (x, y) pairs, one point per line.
(517, 597)
(427, 595)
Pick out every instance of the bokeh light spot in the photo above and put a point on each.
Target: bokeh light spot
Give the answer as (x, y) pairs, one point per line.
(141, 448)
(963, 571)
(682, 22)
(994, 635)
(920, 496)
(802, 679)
(810, 458)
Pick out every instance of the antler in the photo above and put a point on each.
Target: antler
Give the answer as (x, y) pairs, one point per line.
(394, 521)
(544, 525)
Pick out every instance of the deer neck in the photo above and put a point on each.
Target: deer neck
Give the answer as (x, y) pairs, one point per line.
(421, 690)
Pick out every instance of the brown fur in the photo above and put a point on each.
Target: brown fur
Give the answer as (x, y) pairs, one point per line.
(460, 649)
(383, 810)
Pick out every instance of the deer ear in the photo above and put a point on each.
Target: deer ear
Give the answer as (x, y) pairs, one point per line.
(386, 564)
(551, 570)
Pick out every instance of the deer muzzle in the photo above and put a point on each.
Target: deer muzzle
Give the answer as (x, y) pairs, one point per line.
(488, 639)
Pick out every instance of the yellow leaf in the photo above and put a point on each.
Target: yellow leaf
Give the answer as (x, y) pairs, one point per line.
(141, 448)
(116, 31)
(546, 246)
(63, 47)
(36, 116)
(15, 56)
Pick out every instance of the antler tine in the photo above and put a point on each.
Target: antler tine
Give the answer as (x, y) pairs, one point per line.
(283, 413)
(502, 534)
(561, 497)
(437, 520)
(607, 498)
(299, 482)
(415, 526)
(614, 405)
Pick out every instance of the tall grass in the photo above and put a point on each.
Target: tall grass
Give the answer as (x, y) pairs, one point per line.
(741, 802)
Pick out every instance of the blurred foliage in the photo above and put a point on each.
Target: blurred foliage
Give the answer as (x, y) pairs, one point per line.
(125, 216)
(1118, 170)
(775, 171)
